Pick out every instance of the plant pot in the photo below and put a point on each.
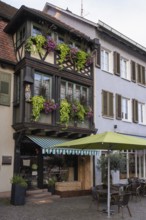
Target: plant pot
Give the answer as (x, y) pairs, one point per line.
(18, 194)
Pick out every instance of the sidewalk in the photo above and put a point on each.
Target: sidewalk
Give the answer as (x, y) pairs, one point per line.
(75, 208)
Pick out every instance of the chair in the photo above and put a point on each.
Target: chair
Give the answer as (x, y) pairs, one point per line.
(136, 191)
(122, 202)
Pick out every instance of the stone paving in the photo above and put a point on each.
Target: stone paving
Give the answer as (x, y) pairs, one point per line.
(75, 208)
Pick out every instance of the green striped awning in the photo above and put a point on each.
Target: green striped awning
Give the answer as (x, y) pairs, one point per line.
(48, 146)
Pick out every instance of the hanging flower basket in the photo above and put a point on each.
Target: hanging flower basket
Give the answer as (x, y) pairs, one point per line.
(50, 106)
(50, 45)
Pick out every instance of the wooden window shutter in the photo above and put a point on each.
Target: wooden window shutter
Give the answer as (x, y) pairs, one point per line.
(107, 104)
(135, 110)
(104, 103)
(143, 75)
(138, 73)
(116, 63)
(5, 88)
(133, 71)
(118, 106)
(110, 105)
(98, 56)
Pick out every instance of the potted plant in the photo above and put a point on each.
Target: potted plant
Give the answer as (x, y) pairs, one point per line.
(51, 184)
(18, 191)
(117, 164)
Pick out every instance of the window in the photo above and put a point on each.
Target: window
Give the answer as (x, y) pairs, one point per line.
(5, 89)
(141, 111)
(140, 74)
(105, 60)
(125, 108)
(36, 31)
(73, 91)
(20, 36)
(124, 68)
(43, 85)
(107, 104)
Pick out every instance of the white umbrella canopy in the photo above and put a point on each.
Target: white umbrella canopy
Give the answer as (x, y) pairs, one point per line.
(108, 141)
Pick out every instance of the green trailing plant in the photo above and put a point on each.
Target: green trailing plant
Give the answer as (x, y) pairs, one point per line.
(35, 44)
(64, 51)
(78, 111)
(81, 59)
(19, 180)
(65, 109)
(37, 106)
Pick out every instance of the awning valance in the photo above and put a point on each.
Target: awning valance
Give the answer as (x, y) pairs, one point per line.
(48, 146)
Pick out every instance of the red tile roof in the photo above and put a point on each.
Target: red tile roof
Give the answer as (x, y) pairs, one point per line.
(6, 45)
(7, 11)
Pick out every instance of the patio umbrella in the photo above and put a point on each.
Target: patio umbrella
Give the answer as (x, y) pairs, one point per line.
(108, 141)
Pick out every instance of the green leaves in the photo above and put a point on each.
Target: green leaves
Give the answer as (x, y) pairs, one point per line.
(35, 44)
(37, 106)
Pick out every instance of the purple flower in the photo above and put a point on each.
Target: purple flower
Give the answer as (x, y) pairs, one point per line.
(50, 45)
(50, 106)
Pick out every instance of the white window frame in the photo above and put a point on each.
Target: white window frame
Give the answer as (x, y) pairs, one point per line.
(141, 113)
(126, 109)
(105, 60)
(124, 68)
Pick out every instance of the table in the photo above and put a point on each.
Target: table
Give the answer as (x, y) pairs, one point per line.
(103, 193)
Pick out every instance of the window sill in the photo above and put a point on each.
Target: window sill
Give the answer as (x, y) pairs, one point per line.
(107, 117)
(127, 121)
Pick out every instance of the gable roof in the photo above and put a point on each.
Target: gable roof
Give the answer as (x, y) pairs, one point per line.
(7, 11)
(24, 12)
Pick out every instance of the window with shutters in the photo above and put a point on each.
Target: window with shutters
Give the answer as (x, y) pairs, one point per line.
(140, 74)
(5, 88)
(105, 60)
(107, 104)
(126, 109)
(133, 71)
(20, 36)
(98, 56)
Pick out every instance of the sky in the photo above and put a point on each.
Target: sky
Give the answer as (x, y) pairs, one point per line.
(126, 16)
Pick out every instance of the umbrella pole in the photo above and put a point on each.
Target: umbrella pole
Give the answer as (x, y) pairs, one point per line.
(108, 185)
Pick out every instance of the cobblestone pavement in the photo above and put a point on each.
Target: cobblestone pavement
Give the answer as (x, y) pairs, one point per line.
(75, 208)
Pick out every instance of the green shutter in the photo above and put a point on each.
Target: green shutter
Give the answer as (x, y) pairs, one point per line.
(133, 71)
(135, 110)
(118, 107)
(116, 63)
(5, 88)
